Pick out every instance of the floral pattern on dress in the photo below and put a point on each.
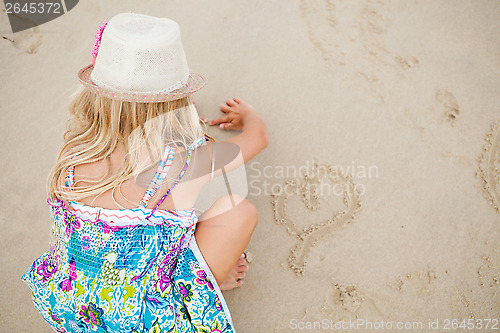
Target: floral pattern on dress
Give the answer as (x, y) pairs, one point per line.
(131, 279)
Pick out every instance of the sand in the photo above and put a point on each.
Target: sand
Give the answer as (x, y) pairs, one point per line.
(397, 101)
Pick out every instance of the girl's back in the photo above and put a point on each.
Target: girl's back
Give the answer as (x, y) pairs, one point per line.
(131, 192)
(124, 256)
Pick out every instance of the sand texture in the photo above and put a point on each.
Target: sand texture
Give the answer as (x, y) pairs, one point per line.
(379, 193)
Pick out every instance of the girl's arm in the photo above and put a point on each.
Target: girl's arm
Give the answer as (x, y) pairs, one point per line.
(236, 151)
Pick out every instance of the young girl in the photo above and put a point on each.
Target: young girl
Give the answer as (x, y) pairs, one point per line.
(128, 253)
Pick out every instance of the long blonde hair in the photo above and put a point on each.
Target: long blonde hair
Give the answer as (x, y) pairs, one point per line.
(99, 125)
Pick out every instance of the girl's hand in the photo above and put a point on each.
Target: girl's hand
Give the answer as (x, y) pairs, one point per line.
(253, 138)
(239, 114)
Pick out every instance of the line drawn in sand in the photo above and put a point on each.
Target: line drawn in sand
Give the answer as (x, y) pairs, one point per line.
(309, 191)
(489, 166)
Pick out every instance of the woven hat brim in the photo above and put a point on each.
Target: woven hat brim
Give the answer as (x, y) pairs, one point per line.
(194, 83)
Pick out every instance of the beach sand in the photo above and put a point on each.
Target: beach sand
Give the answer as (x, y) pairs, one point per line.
(394, 104)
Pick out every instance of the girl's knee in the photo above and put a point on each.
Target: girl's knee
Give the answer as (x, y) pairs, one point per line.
(249, 211)
(240, 210)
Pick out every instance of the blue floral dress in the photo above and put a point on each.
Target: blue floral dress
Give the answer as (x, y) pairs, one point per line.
(129, 270)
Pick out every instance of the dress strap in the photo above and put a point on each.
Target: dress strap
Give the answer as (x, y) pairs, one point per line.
(159, 176)
(191, 148)
(69, 177)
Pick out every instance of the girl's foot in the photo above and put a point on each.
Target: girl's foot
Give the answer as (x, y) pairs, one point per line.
(234, 279)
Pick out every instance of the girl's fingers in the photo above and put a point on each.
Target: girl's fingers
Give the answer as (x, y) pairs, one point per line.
(231, 102)
(237, 100)
(226, 125)
(224, 108)
(225, 119)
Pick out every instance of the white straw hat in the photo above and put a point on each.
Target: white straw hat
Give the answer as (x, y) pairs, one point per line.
(140, 58)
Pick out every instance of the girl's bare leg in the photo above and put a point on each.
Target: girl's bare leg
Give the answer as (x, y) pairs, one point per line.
(223, 232)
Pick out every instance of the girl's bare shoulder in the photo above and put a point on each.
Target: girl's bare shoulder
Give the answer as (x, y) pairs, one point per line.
(216, 157)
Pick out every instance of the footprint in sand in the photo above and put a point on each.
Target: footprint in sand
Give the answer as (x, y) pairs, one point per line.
(339, 40)
(406, 62)
(321, 21)
(488, 273)
(450, 104)
(489, 166)
(346, 299)
(351, 36)
(416, 282)
(28, 41)
(311, 190)
(445, 109)
(480, 300)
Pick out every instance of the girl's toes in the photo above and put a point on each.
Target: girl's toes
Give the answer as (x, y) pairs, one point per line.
(232, 282)
(243, 268)
(237, 274)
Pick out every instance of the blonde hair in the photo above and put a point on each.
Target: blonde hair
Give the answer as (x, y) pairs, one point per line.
(99, 125)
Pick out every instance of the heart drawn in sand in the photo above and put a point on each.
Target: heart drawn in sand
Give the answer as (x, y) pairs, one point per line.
(311, 189)
(489, 166)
